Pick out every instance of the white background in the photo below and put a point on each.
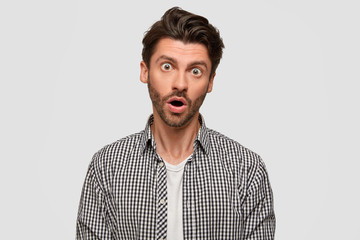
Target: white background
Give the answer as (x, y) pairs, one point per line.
(287, 88)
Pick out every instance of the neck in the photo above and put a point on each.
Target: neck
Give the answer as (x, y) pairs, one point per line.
(175, 144)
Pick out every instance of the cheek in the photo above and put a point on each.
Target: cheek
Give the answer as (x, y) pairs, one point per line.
(198, 90)
(160, 81)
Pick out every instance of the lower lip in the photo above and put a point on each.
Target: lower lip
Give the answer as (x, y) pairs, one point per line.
(175, 109)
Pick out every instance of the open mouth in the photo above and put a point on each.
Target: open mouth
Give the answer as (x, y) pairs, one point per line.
(176, 103)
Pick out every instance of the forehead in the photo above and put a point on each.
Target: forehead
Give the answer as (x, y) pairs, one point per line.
(184, 52)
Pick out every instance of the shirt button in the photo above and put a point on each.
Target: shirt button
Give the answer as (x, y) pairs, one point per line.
(161, 164)
(162, 201)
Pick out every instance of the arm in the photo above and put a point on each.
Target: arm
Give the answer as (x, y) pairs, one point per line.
(258, 209)
(91, 220)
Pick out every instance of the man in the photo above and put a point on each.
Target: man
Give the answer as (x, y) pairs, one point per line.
(177, 179)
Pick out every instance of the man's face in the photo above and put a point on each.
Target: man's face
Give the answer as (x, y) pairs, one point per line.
(178, 80)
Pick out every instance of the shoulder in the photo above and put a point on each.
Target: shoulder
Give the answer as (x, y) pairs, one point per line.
(233, 152)
(118, 150)
(220, 142)
(244, 162)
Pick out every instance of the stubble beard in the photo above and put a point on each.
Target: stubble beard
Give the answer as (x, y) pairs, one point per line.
(175, 119)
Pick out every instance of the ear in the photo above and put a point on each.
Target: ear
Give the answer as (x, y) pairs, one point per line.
(211, 83)
(144, 72)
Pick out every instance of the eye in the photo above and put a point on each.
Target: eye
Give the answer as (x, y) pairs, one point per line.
(196, 71)
(166, 67)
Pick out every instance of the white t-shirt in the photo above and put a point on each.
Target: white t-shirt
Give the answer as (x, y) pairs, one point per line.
(174, 176)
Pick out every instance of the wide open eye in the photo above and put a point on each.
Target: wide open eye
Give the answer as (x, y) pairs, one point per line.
(196, 71)
(166, 67)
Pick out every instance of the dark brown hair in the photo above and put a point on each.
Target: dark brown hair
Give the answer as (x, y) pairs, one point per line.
(187, 27)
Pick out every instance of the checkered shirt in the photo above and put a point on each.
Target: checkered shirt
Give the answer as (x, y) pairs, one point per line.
(226, 191)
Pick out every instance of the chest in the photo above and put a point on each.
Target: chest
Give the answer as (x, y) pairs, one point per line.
(210, 200)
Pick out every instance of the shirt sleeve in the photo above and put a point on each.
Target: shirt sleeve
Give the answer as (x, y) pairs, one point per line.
(92, 215)
(259, 217)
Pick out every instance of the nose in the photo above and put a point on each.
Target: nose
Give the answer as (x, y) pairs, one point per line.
(180, 82)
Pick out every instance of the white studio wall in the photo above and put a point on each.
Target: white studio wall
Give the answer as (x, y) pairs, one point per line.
(287, 88)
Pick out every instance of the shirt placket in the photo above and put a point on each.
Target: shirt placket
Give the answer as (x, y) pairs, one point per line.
(188, 208)
(161, 213)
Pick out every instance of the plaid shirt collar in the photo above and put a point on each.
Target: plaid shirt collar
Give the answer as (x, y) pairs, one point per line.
(202, 138)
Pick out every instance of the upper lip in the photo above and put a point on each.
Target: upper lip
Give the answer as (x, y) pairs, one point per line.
(180, 99)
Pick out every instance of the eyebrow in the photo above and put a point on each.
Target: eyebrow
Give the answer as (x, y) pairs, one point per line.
(202, 63)
(164, 57)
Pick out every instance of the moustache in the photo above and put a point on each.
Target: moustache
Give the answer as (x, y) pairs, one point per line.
(177, 93)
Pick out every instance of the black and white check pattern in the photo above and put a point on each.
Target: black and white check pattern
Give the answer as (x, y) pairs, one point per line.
(161, 212)
(226, 191)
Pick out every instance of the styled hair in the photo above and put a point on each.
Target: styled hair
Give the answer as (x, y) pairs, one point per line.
(187, 27)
